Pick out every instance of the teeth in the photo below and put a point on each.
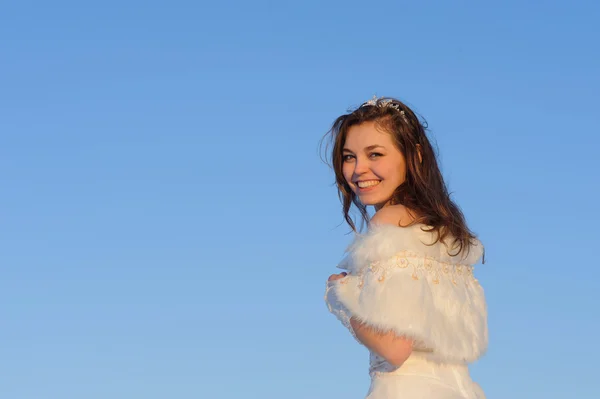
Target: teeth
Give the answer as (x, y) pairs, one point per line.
(370, 183)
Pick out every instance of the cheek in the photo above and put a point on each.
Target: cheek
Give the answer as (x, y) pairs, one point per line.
(347, 171)
(395, 172)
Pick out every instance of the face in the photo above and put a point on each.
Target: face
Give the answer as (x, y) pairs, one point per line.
(373, 166)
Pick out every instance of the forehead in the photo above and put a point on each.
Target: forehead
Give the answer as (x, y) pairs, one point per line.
(367, 134)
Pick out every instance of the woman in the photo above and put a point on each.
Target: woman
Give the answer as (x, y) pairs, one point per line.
(408, 293)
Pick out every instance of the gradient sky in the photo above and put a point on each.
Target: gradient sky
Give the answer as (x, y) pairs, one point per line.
(168, 225)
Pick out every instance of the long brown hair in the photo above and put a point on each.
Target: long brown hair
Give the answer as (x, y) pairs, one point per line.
(424, 192)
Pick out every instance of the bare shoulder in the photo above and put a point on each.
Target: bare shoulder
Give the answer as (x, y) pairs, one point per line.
(397, 215)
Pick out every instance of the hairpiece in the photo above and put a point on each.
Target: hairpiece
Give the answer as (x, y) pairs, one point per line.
(384, 103)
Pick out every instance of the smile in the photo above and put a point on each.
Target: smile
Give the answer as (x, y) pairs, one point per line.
(367, 184)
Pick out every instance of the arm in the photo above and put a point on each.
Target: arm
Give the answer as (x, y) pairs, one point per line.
(394, 349)
(394, 301)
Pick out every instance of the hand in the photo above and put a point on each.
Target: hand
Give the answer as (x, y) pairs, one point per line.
(334, 277)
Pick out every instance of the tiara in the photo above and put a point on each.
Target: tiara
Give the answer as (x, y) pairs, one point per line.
(385, 103)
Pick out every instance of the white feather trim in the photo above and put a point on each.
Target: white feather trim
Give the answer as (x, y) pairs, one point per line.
(348, 290)
(397, 282)
(384, 241)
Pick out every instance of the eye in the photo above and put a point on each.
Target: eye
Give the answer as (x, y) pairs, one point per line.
(375, 155)
(347, 158)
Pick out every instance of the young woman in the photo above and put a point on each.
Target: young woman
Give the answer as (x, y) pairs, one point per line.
(408, 293)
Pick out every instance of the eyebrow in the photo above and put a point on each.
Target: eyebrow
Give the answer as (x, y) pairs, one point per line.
(369, 148)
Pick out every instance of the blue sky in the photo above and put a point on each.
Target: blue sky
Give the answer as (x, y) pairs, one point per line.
(168, 226)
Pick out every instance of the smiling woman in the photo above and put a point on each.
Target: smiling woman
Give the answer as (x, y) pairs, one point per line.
(408, 292)
(373, 167)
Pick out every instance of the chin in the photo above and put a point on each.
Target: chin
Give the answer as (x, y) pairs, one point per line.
(371, 200)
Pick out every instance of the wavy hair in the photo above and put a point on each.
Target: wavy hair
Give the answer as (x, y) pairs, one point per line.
(424, 192)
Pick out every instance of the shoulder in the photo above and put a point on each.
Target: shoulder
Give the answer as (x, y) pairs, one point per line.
(397, 215)
(392, 231)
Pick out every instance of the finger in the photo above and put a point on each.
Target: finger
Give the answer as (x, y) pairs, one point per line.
(334, 277)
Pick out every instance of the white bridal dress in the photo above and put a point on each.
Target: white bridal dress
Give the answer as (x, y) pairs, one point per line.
(398, 281)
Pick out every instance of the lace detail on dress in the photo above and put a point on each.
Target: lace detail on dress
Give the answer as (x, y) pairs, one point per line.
(421, 267)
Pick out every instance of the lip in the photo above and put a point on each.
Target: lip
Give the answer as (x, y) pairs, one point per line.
(366, 189)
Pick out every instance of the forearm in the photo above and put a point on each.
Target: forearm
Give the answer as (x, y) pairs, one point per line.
(394, 349)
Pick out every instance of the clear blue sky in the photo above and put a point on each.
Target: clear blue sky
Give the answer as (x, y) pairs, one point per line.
(167, 226)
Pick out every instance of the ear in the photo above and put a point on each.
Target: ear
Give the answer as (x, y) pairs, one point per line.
(420, 152)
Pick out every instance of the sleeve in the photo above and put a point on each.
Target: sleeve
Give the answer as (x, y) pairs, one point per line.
(346, 288)
(440, 306)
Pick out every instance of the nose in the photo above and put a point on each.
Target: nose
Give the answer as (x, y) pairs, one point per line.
(360, 166)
